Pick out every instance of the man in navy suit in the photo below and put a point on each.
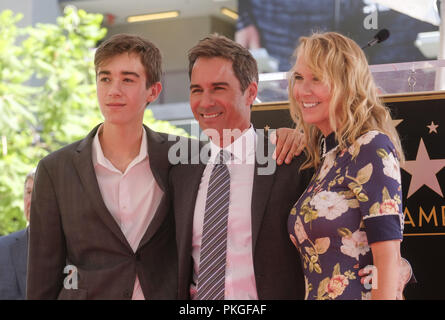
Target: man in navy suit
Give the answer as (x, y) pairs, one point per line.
(14, 254)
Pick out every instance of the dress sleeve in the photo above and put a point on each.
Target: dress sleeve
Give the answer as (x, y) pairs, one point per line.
(376, 183)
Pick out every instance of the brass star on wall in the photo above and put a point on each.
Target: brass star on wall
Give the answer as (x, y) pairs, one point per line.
(432, 127)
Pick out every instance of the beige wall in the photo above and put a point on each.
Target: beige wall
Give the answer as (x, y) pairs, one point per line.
(174, 37)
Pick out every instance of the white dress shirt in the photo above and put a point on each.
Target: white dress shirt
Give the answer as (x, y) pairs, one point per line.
(240, 276)
(132, 197)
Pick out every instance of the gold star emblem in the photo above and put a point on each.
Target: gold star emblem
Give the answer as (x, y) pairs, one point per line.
(266, 127)
(432, 127)
(423, 171)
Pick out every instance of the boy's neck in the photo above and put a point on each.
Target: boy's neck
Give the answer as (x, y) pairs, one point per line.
(119, 144)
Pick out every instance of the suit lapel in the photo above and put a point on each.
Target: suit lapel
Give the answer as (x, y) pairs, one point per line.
(19, 256)
(187, 179)
(186, 190)
(185, 208)
(158, 157)
(159, 165)
(262, 186)
(84, 165)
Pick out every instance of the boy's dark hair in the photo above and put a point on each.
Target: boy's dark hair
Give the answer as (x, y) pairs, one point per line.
(127, 43)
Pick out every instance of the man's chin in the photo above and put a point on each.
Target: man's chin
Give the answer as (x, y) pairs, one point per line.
(212, 132)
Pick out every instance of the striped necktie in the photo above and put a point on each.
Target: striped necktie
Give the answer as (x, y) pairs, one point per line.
(212, 257)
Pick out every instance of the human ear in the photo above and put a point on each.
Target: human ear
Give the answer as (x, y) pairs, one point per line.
(154, 91)
(251, 93)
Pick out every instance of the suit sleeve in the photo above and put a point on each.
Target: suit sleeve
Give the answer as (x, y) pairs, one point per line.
(8, 283)
(47, 249)
(304, 175)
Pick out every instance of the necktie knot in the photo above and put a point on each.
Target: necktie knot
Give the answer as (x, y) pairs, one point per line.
(223, 157)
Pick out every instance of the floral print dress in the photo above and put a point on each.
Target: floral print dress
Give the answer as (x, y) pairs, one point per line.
(351, 202)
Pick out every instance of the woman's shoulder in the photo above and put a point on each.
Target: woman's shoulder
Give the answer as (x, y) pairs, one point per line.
(370, 147)
(374, 138)
(372, 141)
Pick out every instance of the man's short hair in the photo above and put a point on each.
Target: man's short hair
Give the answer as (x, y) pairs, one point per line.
(216, 46)
(149, 54)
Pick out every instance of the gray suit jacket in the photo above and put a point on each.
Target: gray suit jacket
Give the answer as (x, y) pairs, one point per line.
(277, 267)
(70, 225)
(13, 256)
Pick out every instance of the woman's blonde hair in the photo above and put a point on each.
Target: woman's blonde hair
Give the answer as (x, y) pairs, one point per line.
(355, 106)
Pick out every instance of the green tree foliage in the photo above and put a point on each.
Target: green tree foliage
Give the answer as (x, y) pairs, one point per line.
(47, 98)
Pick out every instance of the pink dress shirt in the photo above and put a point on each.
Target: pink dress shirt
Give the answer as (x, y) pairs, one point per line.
(240, 276)
(131, 197)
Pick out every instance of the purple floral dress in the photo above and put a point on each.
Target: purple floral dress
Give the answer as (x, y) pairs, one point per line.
(351, 202)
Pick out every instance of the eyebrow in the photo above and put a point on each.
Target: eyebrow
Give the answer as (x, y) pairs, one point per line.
(214, 84)
(130, 73)
(194, 86)
(220, 84)
(125, 73)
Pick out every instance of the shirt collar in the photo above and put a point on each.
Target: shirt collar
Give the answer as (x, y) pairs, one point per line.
(331, 142)
(100, 159)
(242, 149)
(328, 143)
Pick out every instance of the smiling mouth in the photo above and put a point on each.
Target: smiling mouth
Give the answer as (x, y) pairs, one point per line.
(310, 105)
(210, 115)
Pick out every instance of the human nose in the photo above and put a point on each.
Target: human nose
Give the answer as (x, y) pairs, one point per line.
(114, 89)
(206, 100)
(301, 89)
(305, 88)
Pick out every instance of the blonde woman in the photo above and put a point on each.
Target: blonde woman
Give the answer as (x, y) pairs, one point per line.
(350, 216)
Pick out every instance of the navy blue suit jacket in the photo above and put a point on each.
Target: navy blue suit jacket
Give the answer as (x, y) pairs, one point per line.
(13, 265)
